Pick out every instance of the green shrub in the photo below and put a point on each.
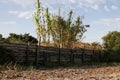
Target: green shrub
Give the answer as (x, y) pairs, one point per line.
(112, 44)
(111, 56)
(6, 56)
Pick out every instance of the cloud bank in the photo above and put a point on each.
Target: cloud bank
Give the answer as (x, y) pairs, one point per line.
(93, 4)
(7, 22)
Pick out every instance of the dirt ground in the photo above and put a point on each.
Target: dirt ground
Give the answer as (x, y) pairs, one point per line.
(71, 73)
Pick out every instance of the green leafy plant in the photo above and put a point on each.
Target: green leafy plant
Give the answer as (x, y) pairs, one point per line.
(112, 43)
(62, 32)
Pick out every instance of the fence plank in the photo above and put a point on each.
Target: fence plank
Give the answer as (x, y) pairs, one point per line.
(41, 55)
(26, 55)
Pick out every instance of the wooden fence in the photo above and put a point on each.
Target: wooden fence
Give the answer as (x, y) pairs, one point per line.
(38, 55)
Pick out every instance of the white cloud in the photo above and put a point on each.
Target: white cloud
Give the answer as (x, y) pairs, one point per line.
(93, 4)
(26, 14)
(113, 7)
(106, 8)
(22, 2)
(114, 1)
(111, 22)
(73, 1)
(13, 12)
(95, 7)
(22, 14)
(101, 27)
(3, 1)
(7, 22)
(94, 1)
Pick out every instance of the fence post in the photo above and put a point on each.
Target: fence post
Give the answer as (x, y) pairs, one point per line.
(36, 56)
(93, 57)
(72, 56)
(100, 56)
(26, 54)
(83, 52)
(45, 59)
(59, 56)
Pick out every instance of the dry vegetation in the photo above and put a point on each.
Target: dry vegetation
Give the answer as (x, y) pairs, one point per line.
(80, 45)
(71, 73)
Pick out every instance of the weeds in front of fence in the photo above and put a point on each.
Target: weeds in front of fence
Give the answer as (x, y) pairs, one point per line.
(16, 67)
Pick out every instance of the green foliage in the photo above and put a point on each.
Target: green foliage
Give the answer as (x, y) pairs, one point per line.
(61, 31)
(39, 20)
(95, 44)
(112, 41)
(112, 44)
(20, 38)
(6, 55)
(49, 24)
(0, 37)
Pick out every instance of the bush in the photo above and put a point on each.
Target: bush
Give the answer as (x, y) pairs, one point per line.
(112, 44)
(6, 56)
(111, 56)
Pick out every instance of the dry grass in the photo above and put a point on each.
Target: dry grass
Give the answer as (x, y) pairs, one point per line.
(71, 73)
(79, 45)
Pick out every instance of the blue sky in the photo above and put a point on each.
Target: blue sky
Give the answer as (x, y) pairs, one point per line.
(103, 16)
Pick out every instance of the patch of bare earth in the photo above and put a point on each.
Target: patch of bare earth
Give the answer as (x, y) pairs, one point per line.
(81, 73)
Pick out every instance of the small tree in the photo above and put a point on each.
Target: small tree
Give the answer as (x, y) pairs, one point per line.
(19, 38)
(63, 32)
(1, 38)
(112, 43)
(49, 24)
(39, 19)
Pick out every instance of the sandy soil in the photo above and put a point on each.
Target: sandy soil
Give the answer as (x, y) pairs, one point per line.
(73, 73)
